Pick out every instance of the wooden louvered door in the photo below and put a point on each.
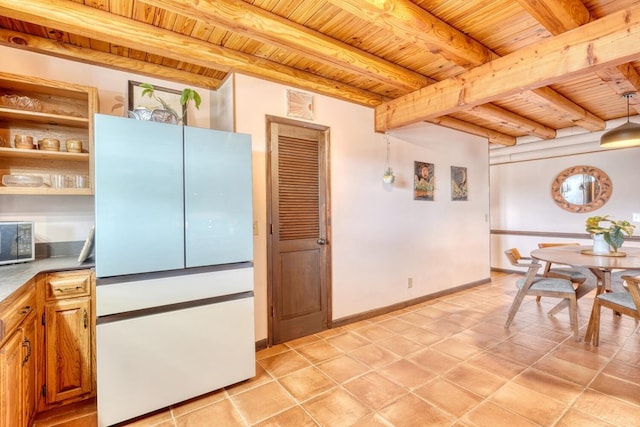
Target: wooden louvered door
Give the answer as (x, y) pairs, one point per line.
(299, 240)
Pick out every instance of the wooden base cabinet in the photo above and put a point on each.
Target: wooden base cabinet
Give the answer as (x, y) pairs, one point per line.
(68, 325)
(18, 350)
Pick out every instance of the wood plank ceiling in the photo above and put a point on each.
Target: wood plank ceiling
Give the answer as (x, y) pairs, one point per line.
(500, 69)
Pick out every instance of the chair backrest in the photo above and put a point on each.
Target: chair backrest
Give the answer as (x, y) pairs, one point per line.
(633, 284)
(515, 258)
(547, 265)
(513, 255)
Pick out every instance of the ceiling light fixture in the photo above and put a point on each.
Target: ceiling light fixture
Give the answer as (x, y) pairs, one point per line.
(626, 135)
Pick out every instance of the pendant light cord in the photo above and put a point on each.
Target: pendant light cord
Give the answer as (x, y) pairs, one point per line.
(387, 165)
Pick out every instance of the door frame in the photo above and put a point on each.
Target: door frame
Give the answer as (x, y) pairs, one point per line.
(325, 216)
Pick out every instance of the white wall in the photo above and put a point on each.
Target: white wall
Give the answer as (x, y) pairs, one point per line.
(521, 193)
(381, 236)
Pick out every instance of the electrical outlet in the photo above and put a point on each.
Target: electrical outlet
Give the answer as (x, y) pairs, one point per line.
(636, 217)
(410, 282)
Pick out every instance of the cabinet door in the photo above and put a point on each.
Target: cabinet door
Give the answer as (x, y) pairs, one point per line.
(139, 196)
(11, 386)
(218, 196)
(68, 349)
(29, 371)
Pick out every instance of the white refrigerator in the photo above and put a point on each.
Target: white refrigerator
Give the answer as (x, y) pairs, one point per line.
(174, 264)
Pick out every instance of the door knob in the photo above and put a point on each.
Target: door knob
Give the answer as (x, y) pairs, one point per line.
(322, 241)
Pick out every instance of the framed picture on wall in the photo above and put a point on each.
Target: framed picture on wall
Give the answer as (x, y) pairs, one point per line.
(459, 189)
(170, 96)
(423, 181)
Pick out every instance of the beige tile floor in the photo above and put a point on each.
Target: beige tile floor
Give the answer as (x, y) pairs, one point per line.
(445, 362)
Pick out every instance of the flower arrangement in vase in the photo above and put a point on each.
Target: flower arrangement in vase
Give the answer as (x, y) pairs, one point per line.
(613, 234)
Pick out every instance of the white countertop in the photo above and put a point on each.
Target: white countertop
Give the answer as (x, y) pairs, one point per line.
(13, 276)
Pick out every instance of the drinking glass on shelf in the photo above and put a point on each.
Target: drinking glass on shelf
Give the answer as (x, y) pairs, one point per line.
(57, 181)
(79, 181)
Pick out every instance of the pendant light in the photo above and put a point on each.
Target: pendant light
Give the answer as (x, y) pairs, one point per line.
(388, 176)
(626, 135)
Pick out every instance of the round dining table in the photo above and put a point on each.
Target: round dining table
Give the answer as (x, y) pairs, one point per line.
(627, 258)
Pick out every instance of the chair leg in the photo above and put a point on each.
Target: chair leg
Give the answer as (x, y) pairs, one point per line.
(515, 305)
(559, 307)
(573, 316)
(538, 298)
(593, 329)
(596, 327)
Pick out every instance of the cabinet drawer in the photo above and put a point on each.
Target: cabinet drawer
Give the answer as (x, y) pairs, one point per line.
(67, 284)
(16, 310)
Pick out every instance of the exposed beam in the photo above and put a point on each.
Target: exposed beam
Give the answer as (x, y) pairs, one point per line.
(555, 60)
(509, 119)
(258, 24)
(558, 16)
(68, 51)
(414, 24)
(417, 26)
(86, 21)
(564, 108)
(622, 79)
(81, 20)
(492, 136)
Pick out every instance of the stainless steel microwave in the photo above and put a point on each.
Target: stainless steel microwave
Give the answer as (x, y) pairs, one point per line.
(17, 242)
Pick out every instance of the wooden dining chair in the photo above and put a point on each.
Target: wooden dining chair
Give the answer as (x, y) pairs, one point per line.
(563, 272)
(625, 302)
(531, 284)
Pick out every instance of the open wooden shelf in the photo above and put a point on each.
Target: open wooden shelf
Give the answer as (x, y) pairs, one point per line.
(57, 110)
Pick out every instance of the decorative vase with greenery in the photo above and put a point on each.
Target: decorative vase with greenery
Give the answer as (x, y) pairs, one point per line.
(388, 176)
(187, 95)
(613, 234)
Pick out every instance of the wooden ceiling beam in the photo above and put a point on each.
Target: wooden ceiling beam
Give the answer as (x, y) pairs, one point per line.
(67, 51)
(558, 16)
(511, 120)
(258, 24)
(269, 28)
(622, 79)
(491, 135)
(87, 21)
(414, 24)
(554, 60)
(564, 108)
(417, 26)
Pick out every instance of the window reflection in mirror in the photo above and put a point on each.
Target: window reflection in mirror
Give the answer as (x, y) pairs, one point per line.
(581, 189)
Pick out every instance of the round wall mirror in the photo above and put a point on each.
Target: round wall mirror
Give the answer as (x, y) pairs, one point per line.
(581, 189)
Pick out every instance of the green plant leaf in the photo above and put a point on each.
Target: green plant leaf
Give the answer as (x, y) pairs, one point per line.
(615, 238)
(147, 89)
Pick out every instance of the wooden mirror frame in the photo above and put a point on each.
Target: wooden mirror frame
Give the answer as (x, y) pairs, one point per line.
(604, 189)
